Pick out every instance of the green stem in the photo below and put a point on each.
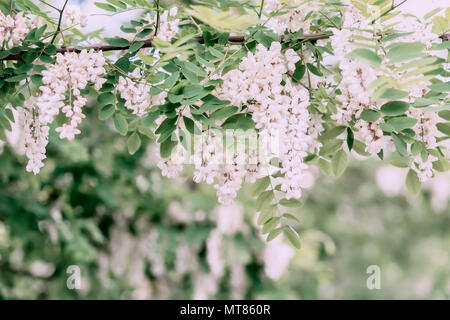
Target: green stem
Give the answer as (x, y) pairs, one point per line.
(51, 6)
(261, 9)
(157, 17)
(393, 7)
(58, 28)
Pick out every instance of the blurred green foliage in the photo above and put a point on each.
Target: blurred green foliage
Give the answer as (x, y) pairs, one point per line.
(92, 186)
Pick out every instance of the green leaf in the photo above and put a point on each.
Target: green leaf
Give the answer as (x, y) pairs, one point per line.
(147, 132)
(172, 79)
(146, 58)
(17, 78)
(23, 68)
(194, 69)
(136, 46)
(432, 13)
(350, 139)
(106, 97)
(118, 3)
(332, 133)
(367, 55)
(105, 6)
(121, 124)
(441, 165)
(273, 234)
(290, 217)
(393, 94)
(441, 24)
(416, 148)
(291, 203)
(401, 123)
(166, 147)
(148, 120)
(314, 70)
(264, 199)
(36, 79)
(260, 186)
(189, 75)
(292, 236)
(325, 166)
(330, 146)
(133, 143)
(444, 128)
(145, 32)
(403, 51)
(190, 126)
(212, 103)
(5, 123)
(412, 182)
(117, 42)
(440, 86)
(400, 145)
(370, 115)
(168, 123)
(360, 148)
(394, 108)
(271, 224)
(339, 163)
(106, 112)
(299, 72)
(223, 20)
(444, 114)
(222, 113)
(265, 214)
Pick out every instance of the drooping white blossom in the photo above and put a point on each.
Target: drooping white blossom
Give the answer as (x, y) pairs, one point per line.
(35, 135)
(293, 18)
(74, 17)
(13, 29)
(136, 93)
(61, 87)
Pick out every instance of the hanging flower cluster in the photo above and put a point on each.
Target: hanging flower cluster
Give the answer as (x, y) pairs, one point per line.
(136, 93)
(358, 89)
(60, 91)
(294, 18)
(13, 29)
(278, 106)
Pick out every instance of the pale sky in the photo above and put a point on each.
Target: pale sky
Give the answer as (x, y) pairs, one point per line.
(111, 26)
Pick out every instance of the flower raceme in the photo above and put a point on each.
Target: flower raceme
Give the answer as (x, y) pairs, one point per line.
(60, 91)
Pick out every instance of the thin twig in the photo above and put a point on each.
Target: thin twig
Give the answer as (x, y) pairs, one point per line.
(261, 9)
(50, 5)
(61, 13)
(157, 18)
(148, 44)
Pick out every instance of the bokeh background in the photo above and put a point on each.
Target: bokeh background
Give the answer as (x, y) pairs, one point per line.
(137, 235)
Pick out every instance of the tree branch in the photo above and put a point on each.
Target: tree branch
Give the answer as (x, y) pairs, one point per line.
(148, 44)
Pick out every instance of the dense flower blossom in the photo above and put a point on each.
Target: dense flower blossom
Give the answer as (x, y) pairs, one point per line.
(373, 136)
(13, 29)
(172, 166)
(136, 93)
(279, 110)
(74, 17)
(168, 24)
(425, 129)
(355, 87)
(423, 168)
(293, 20)
(35, 135)
(71, 73)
